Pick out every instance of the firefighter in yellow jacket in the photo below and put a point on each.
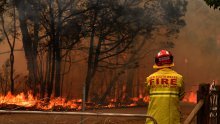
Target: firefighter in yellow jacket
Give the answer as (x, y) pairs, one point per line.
(166, 89)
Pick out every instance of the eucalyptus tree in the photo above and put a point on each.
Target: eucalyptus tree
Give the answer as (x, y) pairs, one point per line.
(155, 16)
(49, 31)
(8, 12)
(213, 3)
(112, 27)
(29, 27)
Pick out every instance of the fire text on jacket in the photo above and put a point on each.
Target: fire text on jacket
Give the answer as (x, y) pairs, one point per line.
(165, 81)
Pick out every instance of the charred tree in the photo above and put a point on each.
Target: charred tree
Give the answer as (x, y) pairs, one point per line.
(130, 63)
(61, 33)
(129, 84)
(53, 44)
(30, 45)
(111, 34)
(91, 61)
(10, 43)
(58, 51)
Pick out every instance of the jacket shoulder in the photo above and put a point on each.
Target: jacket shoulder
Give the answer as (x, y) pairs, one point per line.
(153, 74)
(177, 74)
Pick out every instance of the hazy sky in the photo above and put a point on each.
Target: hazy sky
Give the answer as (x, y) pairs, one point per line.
(198, 46)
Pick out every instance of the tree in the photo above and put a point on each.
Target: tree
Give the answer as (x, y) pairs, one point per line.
(3, 4)
(213, 3)
(49, 31)
(10, 43)
(25, 14)
(62, 31)
(109, 31)
(171, 13)
(113, 26)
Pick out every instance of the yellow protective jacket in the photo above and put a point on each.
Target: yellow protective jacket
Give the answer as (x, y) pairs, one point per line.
(166, 89)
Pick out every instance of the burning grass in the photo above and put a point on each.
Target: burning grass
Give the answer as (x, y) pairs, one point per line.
(29, 102)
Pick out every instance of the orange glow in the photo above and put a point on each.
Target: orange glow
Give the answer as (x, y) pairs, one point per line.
(190, 97)
(22, 101)
(140, 95)
(19, 99)
(133, 105)
(135, 99)
(111, 105)
(146, 99)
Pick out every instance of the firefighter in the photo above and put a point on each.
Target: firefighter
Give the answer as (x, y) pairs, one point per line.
(166, 89)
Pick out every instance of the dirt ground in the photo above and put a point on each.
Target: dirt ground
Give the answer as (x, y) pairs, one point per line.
(186, 108)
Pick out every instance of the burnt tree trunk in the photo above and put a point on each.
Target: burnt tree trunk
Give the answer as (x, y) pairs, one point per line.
(110, 86)
(47, 74)
(53, 51)
(11, 45)
(58, 52)
(129, 84)
(28, 44)
(121, 71)
(90, 63)
(34, 50)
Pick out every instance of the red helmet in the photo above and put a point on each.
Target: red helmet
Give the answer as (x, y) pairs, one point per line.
(164, 57)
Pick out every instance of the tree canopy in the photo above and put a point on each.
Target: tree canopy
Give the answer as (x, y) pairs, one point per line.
(109, 37)
(213, 3)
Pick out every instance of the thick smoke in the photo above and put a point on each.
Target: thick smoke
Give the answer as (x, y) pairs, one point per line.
(198, 45)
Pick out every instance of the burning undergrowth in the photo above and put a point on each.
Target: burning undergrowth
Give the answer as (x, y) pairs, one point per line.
(31, 103)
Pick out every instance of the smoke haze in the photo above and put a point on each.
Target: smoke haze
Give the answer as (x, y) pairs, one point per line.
(197, 48)
(196, 51)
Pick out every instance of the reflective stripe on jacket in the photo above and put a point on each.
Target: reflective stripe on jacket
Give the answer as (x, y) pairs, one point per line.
(166, 89)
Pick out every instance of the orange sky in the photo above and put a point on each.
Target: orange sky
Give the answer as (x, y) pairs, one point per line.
(198, 42)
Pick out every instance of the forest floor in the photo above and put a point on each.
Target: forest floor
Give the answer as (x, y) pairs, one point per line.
(186, 108)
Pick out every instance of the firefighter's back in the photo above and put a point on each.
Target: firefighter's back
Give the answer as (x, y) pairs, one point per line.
(165, 89)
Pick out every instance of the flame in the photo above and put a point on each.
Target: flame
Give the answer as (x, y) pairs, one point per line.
(111, 105)
(29, 101)
(19, 99)
(22, 100)
(140, 95)
(191, 97)
(146, 99)
(135, 99)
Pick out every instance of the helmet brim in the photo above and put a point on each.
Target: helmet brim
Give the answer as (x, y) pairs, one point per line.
(163, 66)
